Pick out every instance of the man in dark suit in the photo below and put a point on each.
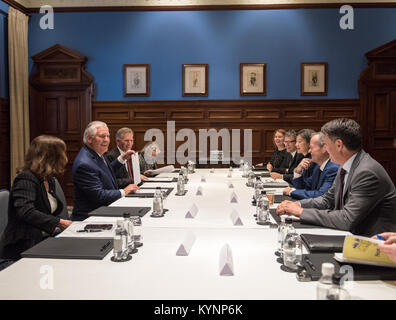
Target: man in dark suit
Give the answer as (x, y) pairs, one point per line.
(362, 199)
(323, 173)
(124, 175)
(93, 176)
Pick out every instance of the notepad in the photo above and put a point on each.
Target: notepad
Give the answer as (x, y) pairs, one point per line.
(119, 211)
(70, 248)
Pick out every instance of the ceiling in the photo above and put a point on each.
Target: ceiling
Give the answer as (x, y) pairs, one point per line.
(169, 3)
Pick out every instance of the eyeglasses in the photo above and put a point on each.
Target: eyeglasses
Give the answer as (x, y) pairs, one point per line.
(103, 136)
(287, 142)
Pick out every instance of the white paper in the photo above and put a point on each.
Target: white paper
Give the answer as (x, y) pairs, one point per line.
(192, 212)
(135, 168)
(236, 220)
(160, 179)
(71, 231)
(166, 169)
(226, 263)
(234, 198)
(199, 191)
(185, 248)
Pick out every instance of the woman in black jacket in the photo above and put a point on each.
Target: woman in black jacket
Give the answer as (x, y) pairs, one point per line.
(37, 205)
(280, 154)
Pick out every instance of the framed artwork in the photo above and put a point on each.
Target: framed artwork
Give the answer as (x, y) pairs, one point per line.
(136, 80)
(195, 79)
(252, 79)
(314, 79)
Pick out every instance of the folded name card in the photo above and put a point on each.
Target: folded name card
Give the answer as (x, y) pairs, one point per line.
(236, 220)
(199, 191)
(192, 212)
(203, 179)
(226, 262)
(230, 185)
(234, 198)
(185, 247)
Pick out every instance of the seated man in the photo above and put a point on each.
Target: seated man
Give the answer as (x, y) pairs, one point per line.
(124, 175)
(93, 177)
(362, 199)
(323, 174)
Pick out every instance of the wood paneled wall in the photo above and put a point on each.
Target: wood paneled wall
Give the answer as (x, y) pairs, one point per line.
(262, 116)
(5, 144)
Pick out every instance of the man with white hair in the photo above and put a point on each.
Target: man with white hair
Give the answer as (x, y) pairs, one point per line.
(94, 180)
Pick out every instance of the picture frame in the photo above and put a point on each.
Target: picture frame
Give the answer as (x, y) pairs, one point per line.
(136, 80)
(314, 78)
(252, 79)
(195, 79)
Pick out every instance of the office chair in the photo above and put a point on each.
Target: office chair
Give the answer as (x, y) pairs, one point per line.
(4, 196)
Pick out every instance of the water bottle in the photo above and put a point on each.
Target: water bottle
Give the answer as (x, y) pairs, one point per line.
(120, 242)
(190, 167)
(158, 203)
(137, 231)
(184, 171)
(325, 282)
(128, 225)
(258, 187)
(262, 209)
(292, 251)
(281, 236)
(245, 170)
(251, 177)
(337, 292)
(229, 173)
(241, 165)
(288, 229)
(180, 184)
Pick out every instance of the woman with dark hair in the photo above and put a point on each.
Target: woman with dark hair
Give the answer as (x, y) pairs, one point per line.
(280, 154)
(37, 205)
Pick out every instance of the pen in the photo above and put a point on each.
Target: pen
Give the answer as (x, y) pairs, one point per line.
(309, 262)
(380, 238)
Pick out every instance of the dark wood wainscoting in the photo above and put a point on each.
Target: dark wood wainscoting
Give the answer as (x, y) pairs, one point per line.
(5, 144)
(261, 116)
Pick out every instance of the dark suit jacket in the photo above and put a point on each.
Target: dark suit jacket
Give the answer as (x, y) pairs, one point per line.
(288, 177)
(312, 186)
(29, 214)
(94, 183)
(122, 175)
(369, 201)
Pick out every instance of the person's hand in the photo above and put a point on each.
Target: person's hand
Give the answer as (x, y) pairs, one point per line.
(128, 154)
(389, 246)
(147, 172)
(276, 175)
(259, 164)
(290, 208)
(63, 224)
(131, 188)
(287, 191)
(303, 165)
(143, 177)
(269, 166)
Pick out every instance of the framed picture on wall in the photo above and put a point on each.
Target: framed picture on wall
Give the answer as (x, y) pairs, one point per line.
(195, 79)
(314, 79)
(252, 79)
(136, 80)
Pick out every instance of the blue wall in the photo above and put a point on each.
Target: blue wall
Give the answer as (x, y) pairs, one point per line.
(281, 38)
(3, 50)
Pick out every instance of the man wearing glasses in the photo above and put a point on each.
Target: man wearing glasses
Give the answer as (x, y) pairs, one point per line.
(94, 181)
(293, 158)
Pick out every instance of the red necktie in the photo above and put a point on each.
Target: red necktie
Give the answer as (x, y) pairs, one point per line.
(129, 168)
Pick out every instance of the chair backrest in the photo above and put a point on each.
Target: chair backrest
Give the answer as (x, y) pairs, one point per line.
(4, 195)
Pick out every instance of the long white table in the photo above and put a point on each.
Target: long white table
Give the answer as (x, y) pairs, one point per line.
(155, 272)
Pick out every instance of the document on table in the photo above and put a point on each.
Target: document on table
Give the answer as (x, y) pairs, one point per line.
(166, 169)
(72, 230)
(166, 179)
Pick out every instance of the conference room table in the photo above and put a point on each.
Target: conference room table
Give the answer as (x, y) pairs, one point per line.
(155, 272)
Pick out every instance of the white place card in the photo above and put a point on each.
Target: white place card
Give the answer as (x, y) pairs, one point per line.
(236, 220)
(192, 212)
(185, 248)
(230, 185)
(199, 191)
(226, 263)
(234, 198)
(203, 179)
